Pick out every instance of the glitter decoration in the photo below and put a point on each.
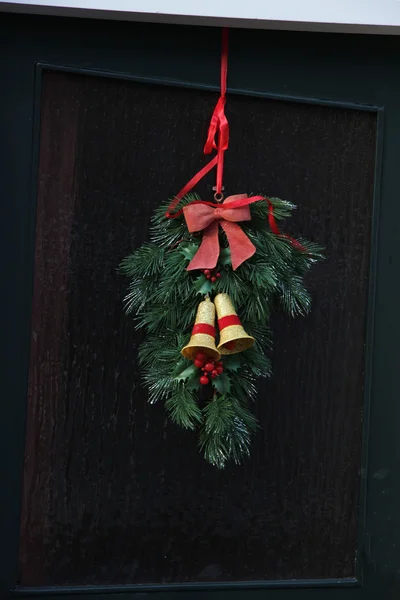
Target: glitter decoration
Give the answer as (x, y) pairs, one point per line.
(203, 333)
(233, 337)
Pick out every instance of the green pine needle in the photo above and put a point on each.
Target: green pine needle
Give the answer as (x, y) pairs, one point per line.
(182, 408)
(294, 297)
(146, 261)
(226, 433)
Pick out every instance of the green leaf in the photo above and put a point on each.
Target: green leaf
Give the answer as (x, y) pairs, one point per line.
(203, 285)
(193, 383)
(180, 366)
(222, 383)
(225, 257)
(186, 373)
(232, 362)
(188, 250)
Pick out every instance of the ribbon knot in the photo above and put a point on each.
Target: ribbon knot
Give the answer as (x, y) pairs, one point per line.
(203, 217)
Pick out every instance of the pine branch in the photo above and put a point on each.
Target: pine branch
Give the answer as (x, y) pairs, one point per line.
(243, 384)
(167, 232)
(294, 297)
(282, 208)
(218, 416)
(162, 348)
(234, 285)
(260, 332)
(226, 432)
(256, 362)
(260, 210)
(139, 293)
(144, 262)
(256, 307)
(260, 273)
(182, 408)
(160, 384)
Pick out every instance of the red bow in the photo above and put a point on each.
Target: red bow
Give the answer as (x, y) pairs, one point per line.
(203, 216)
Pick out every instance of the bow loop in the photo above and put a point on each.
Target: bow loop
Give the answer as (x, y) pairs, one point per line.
(202, 217)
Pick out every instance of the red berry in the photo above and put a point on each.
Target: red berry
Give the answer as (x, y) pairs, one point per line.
(214, 374)
(219, 370)
(200, 356)
(208, 276)
(203, 369)
(198, 363)
(204, 380)
(213, 279)
(209, 367)
(207, 272)
(218, 275)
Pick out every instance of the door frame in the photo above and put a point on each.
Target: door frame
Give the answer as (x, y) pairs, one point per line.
(31, 44)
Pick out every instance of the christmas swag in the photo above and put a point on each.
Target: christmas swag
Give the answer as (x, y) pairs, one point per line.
(204, 289)
(179, 359)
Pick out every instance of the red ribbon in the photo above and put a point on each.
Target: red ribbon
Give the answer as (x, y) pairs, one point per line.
(200, 216)
(218, 125)
(219, 122)
(228, 321)
(204, 216)
(204, 328)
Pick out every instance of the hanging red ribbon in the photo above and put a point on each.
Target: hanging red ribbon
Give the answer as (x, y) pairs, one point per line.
(219, 122)
(199, 219)
(218, 125)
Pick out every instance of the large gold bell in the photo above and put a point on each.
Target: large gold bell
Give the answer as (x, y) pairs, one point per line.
(203, 333)
(233, 338)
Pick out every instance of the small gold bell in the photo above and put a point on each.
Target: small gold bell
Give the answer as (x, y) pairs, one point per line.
(233, 338)
(203, 333)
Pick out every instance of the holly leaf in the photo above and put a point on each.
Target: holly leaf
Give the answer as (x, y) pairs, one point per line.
(232, 362)
(225, 257)
(182, 372)
(188, 250)
(222, 383)
(181, 365)
(203, 285)
(193, 382)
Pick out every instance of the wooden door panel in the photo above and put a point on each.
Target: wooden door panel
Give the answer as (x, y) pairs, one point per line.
(112, 494)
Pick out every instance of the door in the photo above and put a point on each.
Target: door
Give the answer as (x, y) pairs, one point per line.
(101, 123)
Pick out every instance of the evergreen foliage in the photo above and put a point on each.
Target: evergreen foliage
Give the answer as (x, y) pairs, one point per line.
(164, 297)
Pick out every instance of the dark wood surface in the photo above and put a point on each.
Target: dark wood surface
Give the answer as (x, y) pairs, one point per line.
(112, 492)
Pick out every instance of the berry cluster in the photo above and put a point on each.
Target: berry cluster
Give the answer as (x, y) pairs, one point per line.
(211, 368)
(212, 274)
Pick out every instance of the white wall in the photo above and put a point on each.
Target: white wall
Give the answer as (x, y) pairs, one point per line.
(363, 16)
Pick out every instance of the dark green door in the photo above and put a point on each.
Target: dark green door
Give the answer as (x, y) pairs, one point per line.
(101, 122)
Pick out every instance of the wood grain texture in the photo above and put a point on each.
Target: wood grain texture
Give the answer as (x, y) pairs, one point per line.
(112, 492)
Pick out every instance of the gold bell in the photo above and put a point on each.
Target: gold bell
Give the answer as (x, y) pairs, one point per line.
(232, 336)
(203, 333)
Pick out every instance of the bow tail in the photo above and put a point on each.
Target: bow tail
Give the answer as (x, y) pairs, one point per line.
(207, 255)
(240, 245)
